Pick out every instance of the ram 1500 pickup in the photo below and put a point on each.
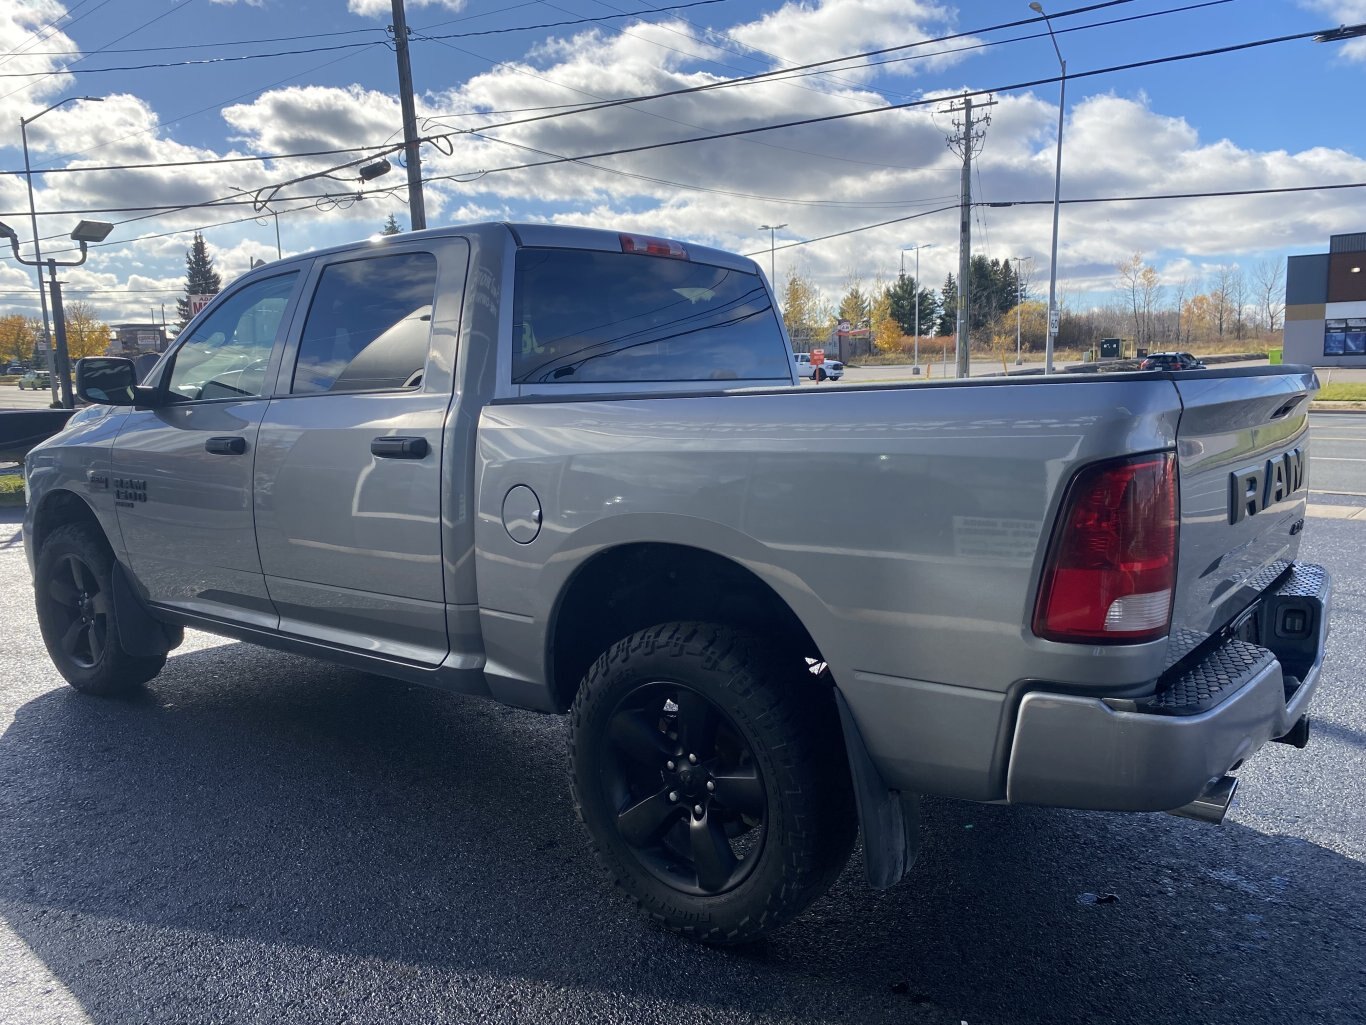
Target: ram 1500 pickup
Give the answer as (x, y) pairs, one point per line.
(571, 470)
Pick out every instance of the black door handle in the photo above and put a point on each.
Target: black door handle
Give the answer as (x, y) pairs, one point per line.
(226, 446)
(399, 448)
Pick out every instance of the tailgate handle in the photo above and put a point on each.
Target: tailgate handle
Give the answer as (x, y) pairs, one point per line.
(226, 446)
(1285, 409)
(399, 448)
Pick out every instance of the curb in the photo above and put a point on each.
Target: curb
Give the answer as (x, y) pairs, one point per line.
(1337, 407)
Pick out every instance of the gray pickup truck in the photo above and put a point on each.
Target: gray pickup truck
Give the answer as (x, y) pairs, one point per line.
(572, 470)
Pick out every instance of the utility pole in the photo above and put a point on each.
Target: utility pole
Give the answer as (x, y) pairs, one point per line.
(966, 141)
(417, 211)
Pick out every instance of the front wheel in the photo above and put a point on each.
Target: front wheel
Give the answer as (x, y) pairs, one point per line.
(712, 779)
(75, 597)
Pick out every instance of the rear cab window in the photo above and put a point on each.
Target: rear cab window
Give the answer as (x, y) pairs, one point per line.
(594, 317)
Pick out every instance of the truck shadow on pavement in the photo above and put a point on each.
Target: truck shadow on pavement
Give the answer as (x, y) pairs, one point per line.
(262, 837)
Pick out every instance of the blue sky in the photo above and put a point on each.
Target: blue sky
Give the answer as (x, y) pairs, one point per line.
(1274, 116)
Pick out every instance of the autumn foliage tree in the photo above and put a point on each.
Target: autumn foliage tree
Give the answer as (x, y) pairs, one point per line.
(804, 313)
(17, 337)
(86, 334)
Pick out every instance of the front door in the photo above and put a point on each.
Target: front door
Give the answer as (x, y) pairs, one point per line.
(183, 470)
(349, 492)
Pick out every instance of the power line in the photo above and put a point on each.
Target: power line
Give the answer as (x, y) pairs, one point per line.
(20, 51)
(234, 58)
(218, 105)
(132, 31)
(603, 103)
(826, 118)
(176, 47)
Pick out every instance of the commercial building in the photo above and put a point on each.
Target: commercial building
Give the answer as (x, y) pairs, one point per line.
(131, 339)
(1325, 305)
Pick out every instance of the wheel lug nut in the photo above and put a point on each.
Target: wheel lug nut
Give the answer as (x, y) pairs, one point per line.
(669, 766)
(693, 759)
(711, 785)
(673, 795)
(697, 809)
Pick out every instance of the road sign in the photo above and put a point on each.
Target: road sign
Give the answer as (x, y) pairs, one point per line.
(1053, 321)
(817, 357)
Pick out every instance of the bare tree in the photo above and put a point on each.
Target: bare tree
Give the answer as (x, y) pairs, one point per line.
(1150, 290)
(1181, 291)
(1270, 278)
(1130, 275)
(1238, 296)
(1220, 299)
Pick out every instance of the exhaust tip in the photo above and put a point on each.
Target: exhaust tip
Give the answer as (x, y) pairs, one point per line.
(1212, 804)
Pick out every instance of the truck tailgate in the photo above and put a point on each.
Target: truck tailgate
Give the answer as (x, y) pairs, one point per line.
(1243, 466)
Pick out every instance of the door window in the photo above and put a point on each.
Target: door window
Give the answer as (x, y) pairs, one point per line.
(368, 326)
(227, 356)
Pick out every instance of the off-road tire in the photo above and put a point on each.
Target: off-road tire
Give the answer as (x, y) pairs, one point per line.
(78, 618)
(789, 721)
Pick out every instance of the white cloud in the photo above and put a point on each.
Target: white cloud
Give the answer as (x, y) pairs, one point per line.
(383, 8)
(27, 32)
(802, 33)
(821, 179)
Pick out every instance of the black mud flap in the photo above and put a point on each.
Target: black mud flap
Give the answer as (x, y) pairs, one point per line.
(139, 634)
(889, 822)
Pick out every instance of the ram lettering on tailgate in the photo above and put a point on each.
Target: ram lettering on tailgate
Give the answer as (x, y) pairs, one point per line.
(1256, 487)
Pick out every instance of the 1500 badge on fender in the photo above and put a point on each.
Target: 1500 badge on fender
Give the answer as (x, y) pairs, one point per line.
(1255, 488)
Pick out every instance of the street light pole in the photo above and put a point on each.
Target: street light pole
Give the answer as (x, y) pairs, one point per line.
(48, 339)
(916, 295)
(85, 233)
(1057, 192)
(772, 272)
(1019, 301)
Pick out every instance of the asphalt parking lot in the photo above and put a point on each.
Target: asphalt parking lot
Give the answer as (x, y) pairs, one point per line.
(262, 838)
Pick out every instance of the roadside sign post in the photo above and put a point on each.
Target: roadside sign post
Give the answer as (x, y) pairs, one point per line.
(817, 361)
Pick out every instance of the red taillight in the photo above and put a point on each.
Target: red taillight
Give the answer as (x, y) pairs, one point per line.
(644, 245)
(1111, 568)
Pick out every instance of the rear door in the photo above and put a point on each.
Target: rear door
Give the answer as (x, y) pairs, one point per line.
(182, 472)
(348, 488)
(1243, 457)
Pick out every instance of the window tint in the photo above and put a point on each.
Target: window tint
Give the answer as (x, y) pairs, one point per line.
(592, 317)
(368, 325)
(227, 355)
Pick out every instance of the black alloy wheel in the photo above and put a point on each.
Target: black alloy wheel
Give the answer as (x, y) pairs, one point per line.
(709, 769)
(80, 609)
(689, 798)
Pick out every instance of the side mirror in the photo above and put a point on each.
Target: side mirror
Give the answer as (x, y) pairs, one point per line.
(111, 381)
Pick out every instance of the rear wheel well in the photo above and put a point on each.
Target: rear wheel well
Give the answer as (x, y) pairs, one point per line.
(635, 586)
(58, 509)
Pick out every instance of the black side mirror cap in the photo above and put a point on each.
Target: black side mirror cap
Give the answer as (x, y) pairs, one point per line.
(111, 381)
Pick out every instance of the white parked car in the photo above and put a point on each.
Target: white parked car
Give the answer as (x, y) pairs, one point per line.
(831, 368)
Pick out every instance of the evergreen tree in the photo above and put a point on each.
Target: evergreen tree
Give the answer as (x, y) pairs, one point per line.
(855, 306)
(905, 293)
(391, 227)
(200, 277)
(948, 306)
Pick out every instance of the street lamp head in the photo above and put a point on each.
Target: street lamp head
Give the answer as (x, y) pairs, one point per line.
(1037, 8)
(6, 231)
(91, 231)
